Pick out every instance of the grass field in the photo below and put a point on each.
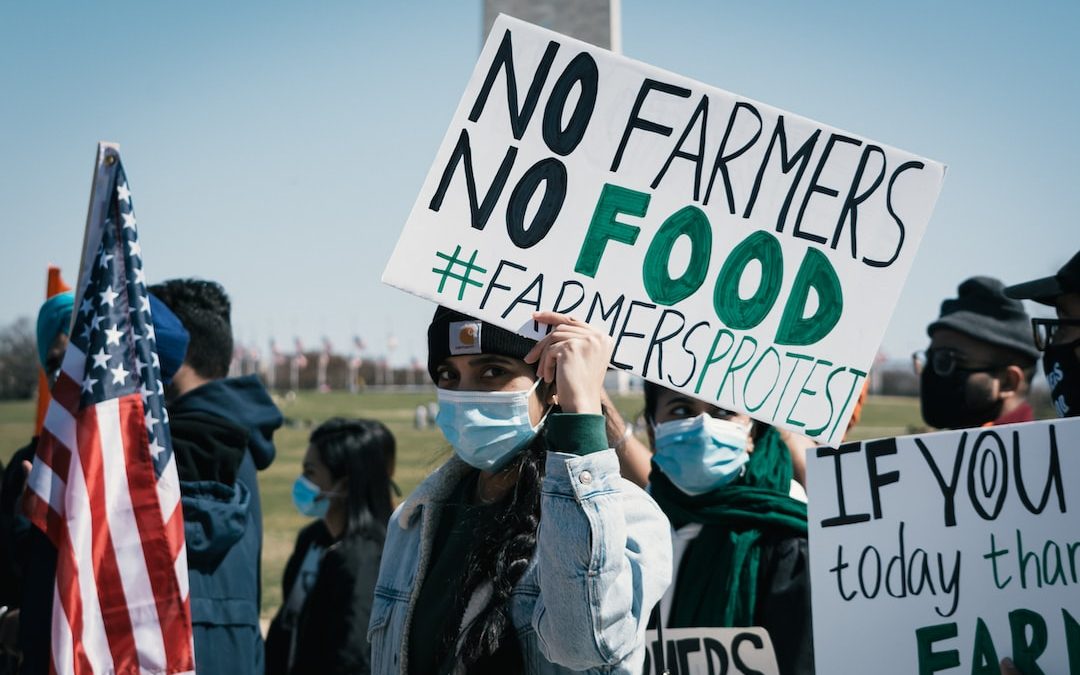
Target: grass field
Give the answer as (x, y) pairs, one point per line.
(419, 452)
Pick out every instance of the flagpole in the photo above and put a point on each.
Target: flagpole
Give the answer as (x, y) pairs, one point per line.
(99, 200)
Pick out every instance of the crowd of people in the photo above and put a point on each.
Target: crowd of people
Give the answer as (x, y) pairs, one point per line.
(552, 537)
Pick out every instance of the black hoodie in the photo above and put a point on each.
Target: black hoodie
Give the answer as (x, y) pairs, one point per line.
(222, 435)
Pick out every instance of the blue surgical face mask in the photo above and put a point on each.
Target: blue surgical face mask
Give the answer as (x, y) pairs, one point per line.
(487, 428)
(309, 499)
(701, 454)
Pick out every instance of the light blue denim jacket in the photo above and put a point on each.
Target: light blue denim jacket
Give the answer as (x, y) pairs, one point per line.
(602, 561)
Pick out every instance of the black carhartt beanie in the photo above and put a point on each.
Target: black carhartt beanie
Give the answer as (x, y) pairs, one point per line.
(452, 333)
(983, 312)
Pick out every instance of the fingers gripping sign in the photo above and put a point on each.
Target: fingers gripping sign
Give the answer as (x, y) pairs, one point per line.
(575, 357)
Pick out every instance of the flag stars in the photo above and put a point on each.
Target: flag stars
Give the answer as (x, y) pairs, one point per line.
(140, 276)
(104, 259)
(129, 220)
(134, 248)
(96, 321)
(101, 359)
(119, 375)
(144, 304)
(86, 307)
(156, 449)
(150, 419)
(109, 296)
(122, 193)
(112, 336)
(88, 385)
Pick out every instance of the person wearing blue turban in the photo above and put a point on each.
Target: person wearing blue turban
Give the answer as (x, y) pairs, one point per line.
(33, 571)
(54, 321)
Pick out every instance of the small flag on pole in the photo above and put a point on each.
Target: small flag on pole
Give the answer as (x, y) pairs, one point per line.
(104, 486)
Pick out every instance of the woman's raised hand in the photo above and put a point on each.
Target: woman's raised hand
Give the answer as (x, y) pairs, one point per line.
(574, 356)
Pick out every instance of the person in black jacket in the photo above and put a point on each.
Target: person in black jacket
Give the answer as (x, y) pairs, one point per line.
(739, 519)
(329, 581)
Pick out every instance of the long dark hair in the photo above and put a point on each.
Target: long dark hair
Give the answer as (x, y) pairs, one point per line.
(503, 547)
(361, 450)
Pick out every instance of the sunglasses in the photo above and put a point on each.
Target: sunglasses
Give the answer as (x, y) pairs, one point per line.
(945, 362)
(1045, 329)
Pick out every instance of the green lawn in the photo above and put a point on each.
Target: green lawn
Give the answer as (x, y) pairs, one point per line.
(419, 452)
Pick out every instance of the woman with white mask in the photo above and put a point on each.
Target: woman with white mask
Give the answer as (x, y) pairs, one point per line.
(526, 552)
(738, 521)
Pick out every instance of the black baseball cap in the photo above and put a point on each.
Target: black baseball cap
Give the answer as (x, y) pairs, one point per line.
(1047, 289)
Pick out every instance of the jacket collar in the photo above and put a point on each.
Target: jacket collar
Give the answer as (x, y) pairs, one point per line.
(435, 488)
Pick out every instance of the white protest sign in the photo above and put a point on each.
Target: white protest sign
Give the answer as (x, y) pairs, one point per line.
(711, 651)
(948, 552)
(736, 252)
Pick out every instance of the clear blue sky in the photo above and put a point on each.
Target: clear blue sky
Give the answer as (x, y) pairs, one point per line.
(278, 147)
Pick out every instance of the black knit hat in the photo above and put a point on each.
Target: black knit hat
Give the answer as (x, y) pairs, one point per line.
(452, 333)
(983, 312)
(1047, 289)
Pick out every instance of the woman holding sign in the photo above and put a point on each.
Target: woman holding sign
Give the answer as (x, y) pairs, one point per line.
(525, 552)
(739, 520)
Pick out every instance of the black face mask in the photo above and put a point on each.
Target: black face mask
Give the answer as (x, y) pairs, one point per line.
(1062, 368)
(945, 402)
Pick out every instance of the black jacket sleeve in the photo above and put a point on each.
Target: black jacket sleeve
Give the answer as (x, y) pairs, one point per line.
(783, 606)
(277, 636)
(333, 624)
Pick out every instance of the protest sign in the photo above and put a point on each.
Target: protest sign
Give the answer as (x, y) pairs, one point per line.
(711, 651)
(947, 552)
(736, 252)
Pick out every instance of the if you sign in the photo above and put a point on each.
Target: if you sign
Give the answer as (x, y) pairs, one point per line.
(947, 552)
(736, 252)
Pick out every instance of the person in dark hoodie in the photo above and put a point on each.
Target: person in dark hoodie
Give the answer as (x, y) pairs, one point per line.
(222, 433)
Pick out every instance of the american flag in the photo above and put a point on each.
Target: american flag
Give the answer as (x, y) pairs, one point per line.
(104, 486)
(299, 359)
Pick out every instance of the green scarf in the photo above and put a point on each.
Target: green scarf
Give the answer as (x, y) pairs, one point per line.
(717, 582)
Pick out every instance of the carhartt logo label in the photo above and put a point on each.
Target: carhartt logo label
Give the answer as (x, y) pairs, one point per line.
(464, 337)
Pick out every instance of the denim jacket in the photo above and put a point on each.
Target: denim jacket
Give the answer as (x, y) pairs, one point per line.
(602, 561)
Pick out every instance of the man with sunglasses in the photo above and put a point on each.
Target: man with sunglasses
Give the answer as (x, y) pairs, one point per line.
(980, 362)
(1058, 339)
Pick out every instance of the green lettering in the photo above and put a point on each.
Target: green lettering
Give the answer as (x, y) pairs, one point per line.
(603, 226)
(662, 289)
(1025, 653)
(984, 658)
(1072, 639)
(803, 390)
(733, 310)
(750, 377)
(828, 397)
(815, 272)
(713, 358)
(931, 662)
